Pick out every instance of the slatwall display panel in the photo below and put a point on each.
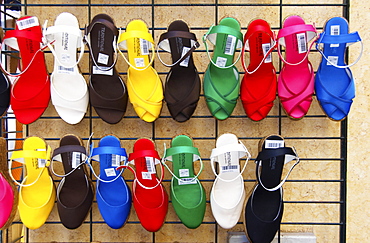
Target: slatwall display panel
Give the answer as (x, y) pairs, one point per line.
(315, 192)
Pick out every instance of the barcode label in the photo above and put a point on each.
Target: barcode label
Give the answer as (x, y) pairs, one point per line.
(334, 30)
(184, 172)
(266, 47)
(302, 44)
(103, 58)
(65, 70)
(144, 47)
(185, 63)
(229, 168)
(96, 70)
(41, 163)
(332, 60)
(150, 165)
(274, 144)
(139, 62)
(76, 159)
(116, 160)
(230, 45)
(187, 181)
(146, 175)
(27, 23)
(221, 61)
(109, 172)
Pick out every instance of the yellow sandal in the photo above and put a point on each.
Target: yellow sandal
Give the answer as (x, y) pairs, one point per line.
(145, 88)
(37, 191)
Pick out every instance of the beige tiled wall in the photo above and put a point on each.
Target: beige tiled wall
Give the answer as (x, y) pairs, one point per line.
(300, 132)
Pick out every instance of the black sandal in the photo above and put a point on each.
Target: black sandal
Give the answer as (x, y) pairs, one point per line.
(264, 208)
(182, 87)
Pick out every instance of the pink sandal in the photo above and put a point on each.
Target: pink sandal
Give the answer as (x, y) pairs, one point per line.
(296, 79)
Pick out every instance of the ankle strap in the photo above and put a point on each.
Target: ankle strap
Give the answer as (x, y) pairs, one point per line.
(348, 39)
(211, 35)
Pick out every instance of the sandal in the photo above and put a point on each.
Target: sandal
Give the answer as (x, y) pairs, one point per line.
(149, 196)
(259, 84)
(228, 193)
(114, 207)
(8, 190)
(187, 193)
(334, 82)
(69, 93)
(36, 191)
(75, 192)
(221, 79)
(144, 85)
(108, 93)
(296, 79)
(30, 93)
(182, 87)
(264, 209)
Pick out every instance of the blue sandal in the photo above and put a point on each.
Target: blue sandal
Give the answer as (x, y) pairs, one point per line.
(112, 193)
(334, 82)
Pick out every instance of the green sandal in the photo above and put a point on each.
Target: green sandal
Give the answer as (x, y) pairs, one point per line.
(221, 79)
(187, 193)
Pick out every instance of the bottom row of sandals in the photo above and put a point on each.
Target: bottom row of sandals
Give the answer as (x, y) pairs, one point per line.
(74, 195)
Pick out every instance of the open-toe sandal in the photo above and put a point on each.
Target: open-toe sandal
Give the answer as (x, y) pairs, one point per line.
(264, 208)
(228, 193)
(69, 93)
(108, 93)
(296, 79)
(334, 82)
(114, 207)
(182, 87)
(187, 193)
(144, 85)
(221, 83)
(75, 191)
(36, 191)
(259, 84)
(30, 93)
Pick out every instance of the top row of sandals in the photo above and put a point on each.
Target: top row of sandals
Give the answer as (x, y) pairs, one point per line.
(30, 93)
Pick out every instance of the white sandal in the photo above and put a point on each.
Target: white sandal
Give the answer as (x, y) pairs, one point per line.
(228, 193)
(69, 93)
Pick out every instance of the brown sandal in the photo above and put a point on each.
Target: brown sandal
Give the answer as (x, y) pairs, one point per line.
(108, 93)
(182, 87)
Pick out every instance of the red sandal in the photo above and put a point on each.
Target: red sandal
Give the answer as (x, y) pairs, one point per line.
(149, 196)
(259, 84)
(30, 94)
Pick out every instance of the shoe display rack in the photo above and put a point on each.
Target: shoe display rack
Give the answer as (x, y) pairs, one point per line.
(315, 193)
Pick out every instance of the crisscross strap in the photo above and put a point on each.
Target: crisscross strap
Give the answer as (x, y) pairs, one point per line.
(341, 102)
(118, 155)
(123, 37)
(348, 39)
(242, 152)
(256, 29)
(225, 102)
(164, 44)
(294, 29)
(289, 153)
(87, 39)
(49, 38)
(211, 35)
(43, 156)
(142, 154)
(78, 154)
(169, 152)
(10, 39)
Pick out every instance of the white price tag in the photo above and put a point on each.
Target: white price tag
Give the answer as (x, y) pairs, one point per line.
(27, 23)
(302, 43)
(184, 172)
(266, 47)
(96, 70)
(110, 172)
(334, 30)
(230, 45)
(332, 60)
(221, 61)
(146, 175)
(41, 163)
(139, 62)
(76, 159)
(150, 165)
(229, 168)
(144, 47)
(187, 181)
(274, 144)
(103, 58)
(65, 70)
(185, 63)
